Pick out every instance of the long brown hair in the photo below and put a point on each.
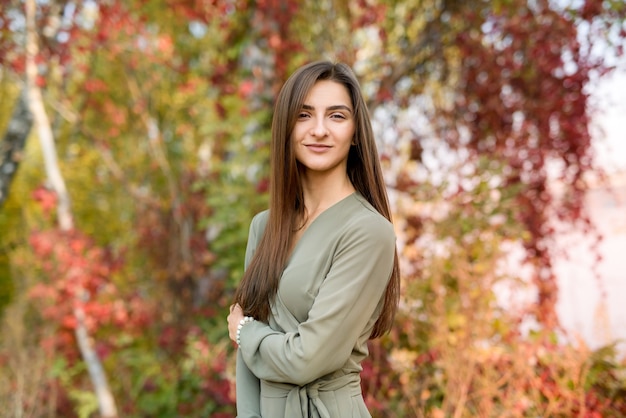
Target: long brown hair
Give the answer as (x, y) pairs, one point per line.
(259, 284)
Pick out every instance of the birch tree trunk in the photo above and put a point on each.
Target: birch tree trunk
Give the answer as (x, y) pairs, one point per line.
(12, 145)
(98, 376)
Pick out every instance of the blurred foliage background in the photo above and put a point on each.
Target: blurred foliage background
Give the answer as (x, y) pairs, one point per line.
(122, 234)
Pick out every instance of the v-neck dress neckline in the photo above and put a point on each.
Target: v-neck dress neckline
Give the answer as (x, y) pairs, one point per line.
(322, 214)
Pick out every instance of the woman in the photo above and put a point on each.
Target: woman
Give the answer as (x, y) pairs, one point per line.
(321, 266)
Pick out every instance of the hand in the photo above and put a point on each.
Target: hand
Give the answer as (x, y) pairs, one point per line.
(235, 316)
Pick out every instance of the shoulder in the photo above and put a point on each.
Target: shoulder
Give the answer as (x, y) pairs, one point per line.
(259, 221)
(365, 220)
(369, 215)
(256, 229)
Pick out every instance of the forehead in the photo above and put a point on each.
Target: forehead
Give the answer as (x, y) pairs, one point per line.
(328, 93)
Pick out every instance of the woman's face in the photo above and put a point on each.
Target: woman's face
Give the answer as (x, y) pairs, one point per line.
(324, 129)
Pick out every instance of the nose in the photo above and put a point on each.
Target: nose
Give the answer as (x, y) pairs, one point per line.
(319, 128)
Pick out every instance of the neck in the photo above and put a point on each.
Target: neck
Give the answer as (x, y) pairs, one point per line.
(321, 192)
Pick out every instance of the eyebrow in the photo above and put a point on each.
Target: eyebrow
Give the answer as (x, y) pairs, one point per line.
(331, 108)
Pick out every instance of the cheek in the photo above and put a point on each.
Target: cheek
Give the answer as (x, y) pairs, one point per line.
(295, 133)
(351, 134)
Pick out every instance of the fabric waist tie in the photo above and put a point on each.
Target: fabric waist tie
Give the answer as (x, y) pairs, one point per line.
(304, 401)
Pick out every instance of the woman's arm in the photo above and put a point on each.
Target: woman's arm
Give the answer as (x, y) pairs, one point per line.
(343, 308)
(247, 384)
(247, 390)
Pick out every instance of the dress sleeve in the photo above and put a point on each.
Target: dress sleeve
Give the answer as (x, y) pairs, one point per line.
(247, 384)
(248, 391)
(345, 304)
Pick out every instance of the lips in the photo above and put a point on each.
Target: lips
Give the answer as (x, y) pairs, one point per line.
(318, 147)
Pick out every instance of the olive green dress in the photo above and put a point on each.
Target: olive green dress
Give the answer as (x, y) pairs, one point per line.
(306, 362)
